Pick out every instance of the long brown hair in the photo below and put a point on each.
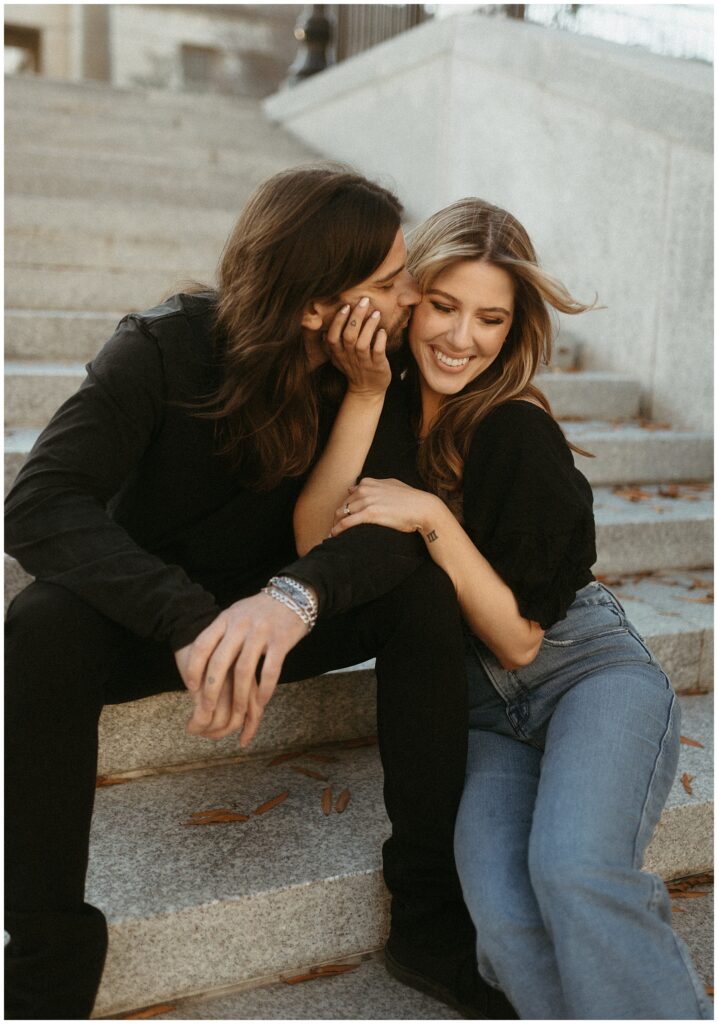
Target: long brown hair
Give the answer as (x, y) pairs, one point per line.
(472, 229)
(308, 233)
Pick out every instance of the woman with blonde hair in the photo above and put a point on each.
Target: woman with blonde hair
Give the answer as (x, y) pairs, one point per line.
(574, 726)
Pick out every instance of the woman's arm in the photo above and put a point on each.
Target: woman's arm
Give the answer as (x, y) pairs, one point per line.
(360, 353)
(488, 604)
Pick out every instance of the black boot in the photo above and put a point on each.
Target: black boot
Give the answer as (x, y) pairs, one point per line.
(452, 979)
(53, 964)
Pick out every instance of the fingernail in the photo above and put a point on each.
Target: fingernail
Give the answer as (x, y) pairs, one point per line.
(364, 301)
(375, 315)
(344, 309)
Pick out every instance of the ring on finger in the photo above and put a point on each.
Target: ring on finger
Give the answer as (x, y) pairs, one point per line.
(347, 511)
(352, 323)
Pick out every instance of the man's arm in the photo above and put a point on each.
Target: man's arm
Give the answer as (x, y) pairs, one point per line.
(57, 524)
(369, 561)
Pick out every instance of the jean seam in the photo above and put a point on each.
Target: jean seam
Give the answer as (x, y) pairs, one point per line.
(649, 788)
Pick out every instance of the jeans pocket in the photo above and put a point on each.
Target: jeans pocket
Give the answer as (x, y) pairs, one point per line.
(595, 613)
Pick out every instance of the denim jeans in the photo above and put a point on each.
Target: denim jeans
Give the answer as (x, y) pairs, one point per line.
(571, 760)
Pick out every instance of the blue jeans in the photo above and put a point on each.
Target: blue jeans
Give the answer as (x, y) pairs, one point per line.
(571, 760)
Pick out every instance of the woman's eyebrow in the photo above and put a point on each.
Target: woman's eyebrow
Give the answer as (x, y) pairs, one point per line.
(481, 309)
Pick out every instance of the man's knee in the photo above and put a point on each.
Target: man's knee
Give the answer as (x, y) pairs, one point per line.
(428, 593)
(52, 636)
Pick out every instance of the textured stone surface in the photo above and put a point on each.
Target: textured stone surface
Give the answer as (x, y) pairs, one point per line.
(71, 218)
(368, 993)
(674, 612)
(34, 391)
(627, 453)
(62, 336)
(594, 393)
(657, 533)
(271, 894)
(683, 843)
(150, 733)
(289, 887)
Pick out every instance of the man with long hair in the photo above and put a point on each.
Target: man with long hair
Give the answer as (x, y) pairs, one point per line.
(155, 512)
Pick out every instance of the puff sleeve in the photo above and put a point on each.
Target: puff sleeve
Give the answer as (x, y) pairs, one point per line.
(529, 510)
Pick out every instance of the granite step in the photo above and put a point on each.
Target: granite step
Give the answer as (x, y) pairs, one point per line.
(292, 886)
(77, 220)
(639, 451)
(57, 335)
(96, 250)
(657, 531)
(95, 290)
(113, 180)
(87, 99)
(185, 138)
(673, 611)
(368, 992)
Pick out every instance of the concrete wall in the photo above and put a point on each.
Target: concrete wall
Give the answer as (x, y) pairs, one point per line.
(146, 43)
(603, 152)
(57, 25)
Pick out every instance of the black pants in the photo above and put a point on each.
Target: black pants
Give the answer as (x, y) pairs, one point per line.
(64, 661)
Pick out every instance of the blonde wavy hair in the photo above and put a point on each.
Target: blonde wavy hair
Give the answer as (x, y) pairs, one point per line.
(472, 229)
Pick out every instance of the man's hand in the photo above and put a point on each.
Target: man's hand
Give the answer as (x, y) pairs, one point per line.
(220, 667)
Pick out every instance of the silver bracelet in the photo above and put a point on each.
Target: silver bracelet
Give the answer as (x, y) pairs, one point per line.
(300, 594)
(284, 599)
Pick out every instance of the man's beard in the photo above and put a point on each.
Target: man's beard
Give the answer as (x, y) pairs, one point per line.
(395, 336)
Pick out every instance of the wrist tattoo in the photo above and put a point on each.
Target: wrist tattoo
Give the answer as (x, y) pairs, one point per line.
(431, 537)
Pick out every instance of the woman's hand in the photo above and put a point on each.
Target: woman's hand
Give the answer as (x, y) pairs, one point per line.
(388, 503)
(357, 347)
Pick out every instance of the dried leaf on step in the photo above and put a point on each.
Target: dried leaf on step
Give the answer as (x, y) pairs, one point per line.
(309, 772)
(695, 691)
(221, 818)
(286, 757)
(110, 780)
(698, 584)
(326, 970)
(342, 801)
(271, 804)
(633, 493)
(690, 743)
(676, 910)
(705, 599)
(366, 741)
(669, 491)
(686, 780)
(151, 1011)
(610, 581)
(653, 425)
(692, 895)
(709, 990)
(684, 884)
(327, 801)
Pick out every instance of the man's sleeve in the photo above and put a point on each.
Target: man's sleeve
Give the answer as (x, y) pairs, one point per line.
(57, 524)
(368, 561)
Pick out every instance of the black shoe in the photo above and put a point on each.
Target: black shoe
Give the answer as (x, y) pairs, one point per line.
(462, 988)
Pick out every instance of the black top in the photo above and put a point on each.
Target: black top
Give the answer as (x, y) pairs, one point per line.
(125, 501)
(529, 510)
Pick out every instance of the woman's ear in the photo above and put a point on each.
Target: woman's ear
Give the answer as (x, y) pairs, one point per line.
(312, 317)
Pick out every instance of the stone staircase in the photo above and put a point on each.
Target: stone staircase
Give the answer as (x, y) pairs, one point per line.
(114, 197)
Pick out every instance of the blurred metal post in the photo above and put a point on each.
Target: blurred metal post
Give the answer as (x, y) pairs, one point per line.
(314, 30)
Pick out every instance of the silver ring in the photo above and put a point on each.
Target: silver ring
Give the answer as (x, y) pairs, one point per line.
(352, 323)
(346, 509)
